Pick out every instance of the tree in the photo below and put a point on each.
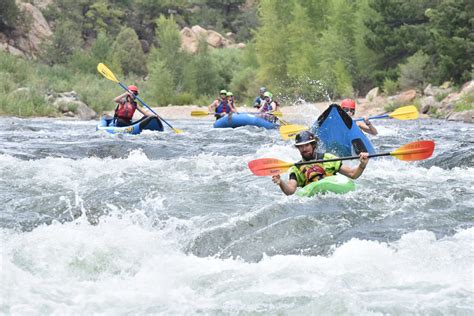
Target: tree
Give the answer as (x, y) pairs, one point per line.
(8, 14)
(452, 40)
(397, 30)
(169, 49)
(271, 42)
(160, 86)
(127, 54)
(65, 41)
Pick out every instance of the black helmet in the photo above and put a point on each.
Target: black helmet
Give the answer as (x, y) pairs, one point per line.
(305, 137)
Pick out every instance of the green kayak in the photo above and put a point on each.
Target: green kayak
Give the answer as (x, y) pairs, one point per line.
(336, 184)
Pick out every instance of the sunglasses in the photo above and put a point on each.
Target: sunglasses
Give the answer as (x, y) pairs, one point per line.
(347, 110)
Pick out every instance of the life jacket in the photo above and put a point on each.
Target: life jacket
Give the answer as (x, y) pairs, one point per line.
(267, 107)
(305, 174)
(223, 107)
(126, 110)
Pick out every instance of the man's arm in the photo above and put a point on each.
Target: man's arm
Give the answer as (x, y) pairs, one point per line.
(286, 187)
(355, 172)
(212, 106)
(367, 127)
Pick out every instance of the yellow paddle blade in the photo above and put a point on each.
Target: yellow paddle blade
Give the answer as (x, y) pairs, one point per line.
(106, 72)
(177, 131)
(409, 112)
(279, 114)
(290, 131)
(200, 113)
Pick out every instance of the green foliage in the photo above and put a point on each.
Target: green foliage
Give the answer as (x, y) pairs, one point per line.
(452, 40)
(160, 85)
(127, 54)
(440, 96)
(8, 14)
(414, 72)
(466, 103)
(390, 87)
(66, 40)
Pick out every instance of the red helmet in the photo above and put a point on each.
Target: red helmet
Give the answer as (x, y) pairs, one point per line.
(348, 103)
(133, 88)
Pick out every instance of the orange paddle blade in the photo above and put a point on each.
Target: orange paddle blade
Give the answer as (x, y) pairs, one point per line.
(419, 150)
(269, 166)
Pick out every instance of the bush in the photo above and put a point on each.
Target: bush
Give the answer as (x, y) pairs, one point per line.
(414, 71)
(390, 87)
(184, 98)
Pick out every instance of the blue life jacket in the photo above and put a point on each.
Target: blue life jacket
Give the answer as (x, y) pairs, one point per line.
(223, 107)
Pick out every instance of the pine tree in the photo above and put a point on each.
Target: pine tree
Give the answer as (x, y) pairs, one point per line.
(127, 54)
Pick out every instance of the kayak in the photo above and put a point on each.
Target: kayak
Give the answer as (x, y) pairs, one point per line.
(243, 119)
(340, 134)
(336, 184)
(151, 123)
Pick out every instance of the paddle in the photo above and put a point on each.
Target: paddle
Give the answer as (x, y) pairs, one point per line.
(204, 113)
(409, 112)
(290, 131)
(107, 73)
(418, 150)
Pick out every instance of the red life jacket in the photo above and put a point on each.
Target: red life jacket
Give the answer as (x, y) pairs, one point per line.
(126, 110)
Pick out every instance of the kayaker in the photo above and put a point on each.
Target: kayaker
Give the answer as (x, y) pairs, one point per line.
(220, 105)
(126, 106)
(302, 175)
(259, 99)
(349, 106)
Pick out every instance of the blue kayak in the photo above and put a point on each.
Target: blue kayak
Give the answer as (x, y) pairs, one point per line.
(243, 119)
(151, 123)
(340, 134)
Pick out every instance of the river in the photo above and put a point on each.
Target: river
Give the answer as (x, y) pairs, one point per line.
(164, 223)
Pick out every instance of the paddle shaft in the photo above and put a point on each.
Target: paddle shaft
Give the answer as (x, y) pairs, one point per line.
(338, 159)
(146, 105)
(373, 117)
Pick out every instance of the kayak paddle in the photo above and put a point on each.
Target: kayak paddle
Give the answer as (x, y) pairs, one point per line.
(107, 73)
(418, 150)
(204, 113)
(409, 112)
(290, 131)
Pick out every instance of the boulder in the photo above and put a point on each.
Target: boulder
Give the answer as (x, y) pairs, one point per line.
(372, 94)
(405, 97)
(465, 116)
(428, 102)
(190, 39)
(68, 102)
(38, 31)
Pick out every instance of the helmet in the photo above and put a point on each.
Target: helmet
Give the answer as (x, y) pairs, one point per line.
(268, 94)
(133, 88)
(263, 89)
(223, 92)
(305, 137)
(229, 94)
(348, 103)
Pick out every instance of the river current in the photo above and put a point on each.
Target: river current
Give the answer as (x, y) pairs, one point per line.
(165, 223)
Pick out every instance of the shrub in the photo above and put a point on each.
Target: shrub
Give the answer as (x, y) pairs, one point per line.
(390, 87)
(414, 71)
